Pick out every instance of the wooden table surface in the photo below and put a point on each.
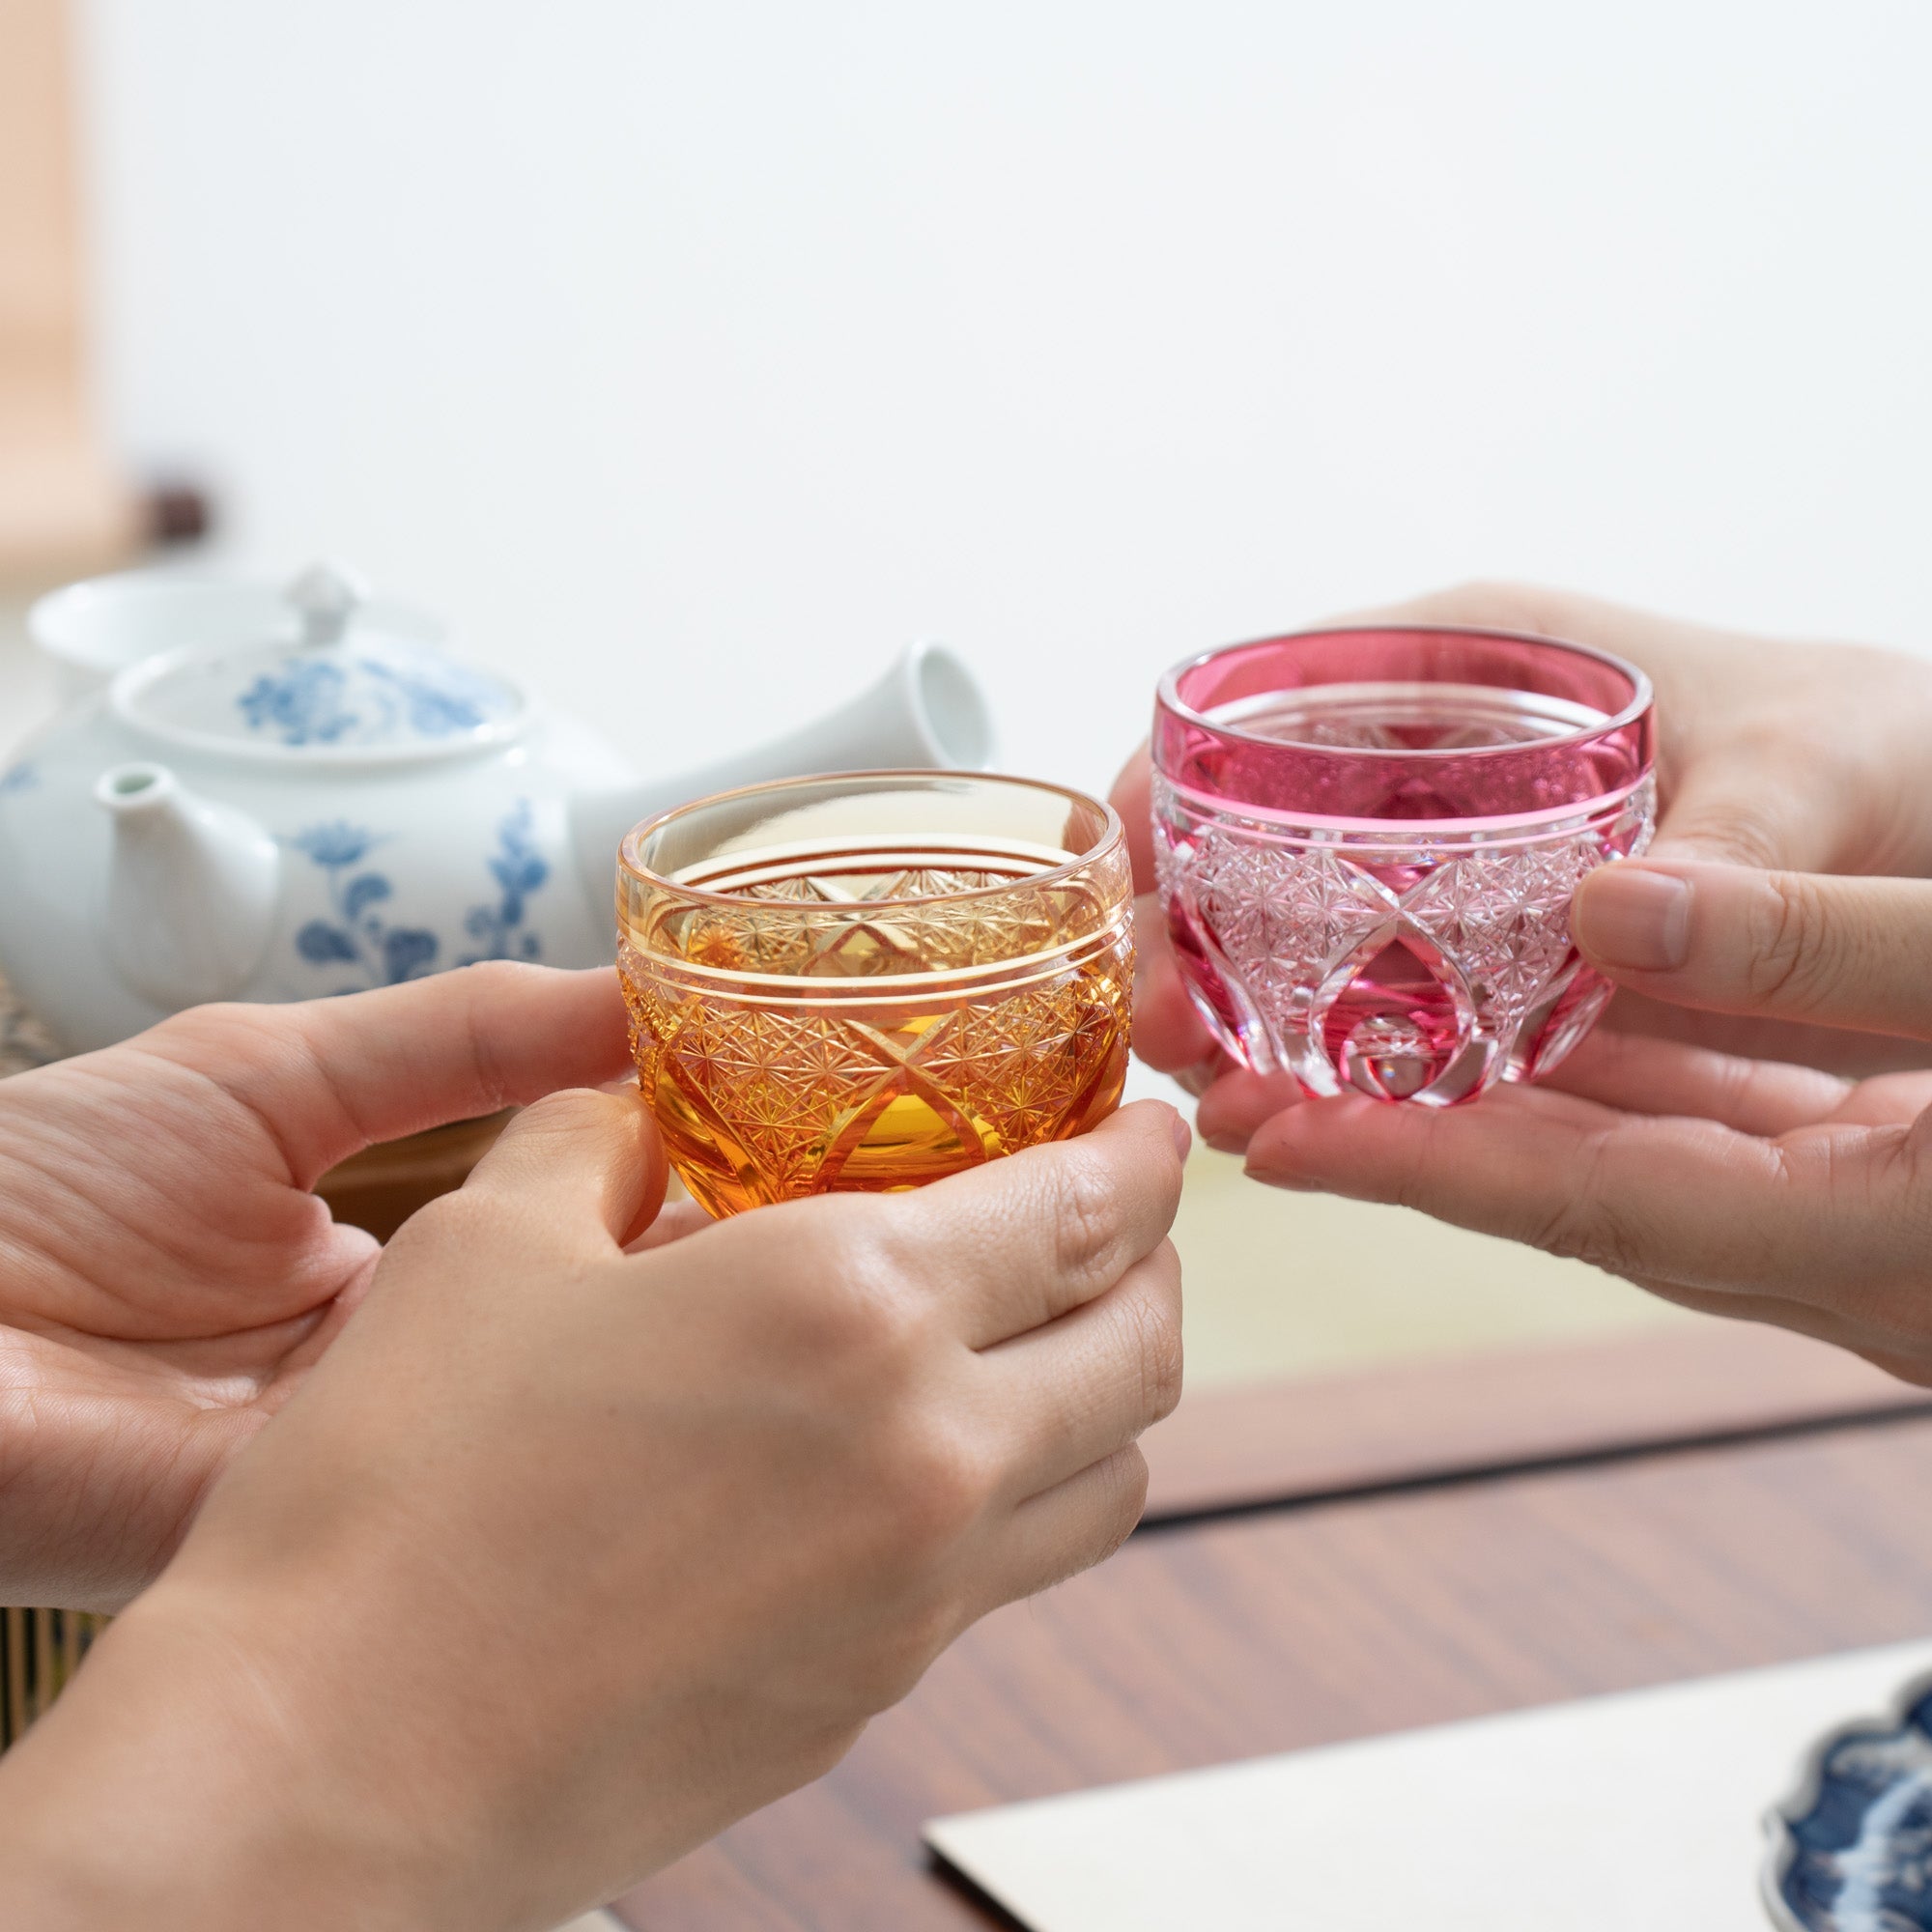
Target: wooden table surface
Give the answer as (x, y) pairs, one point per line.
(1571, 1522)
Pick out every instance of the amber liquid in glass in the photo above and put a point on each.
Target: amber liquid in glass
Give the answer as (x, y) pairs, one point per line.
(977, 1042)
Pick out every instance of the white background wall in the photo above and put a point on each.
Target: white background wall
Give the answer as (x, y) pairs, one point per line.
(691, 358)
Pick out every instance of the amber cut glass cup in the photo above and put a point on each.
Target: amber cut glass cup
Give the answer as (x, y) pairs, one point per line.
(1367, 841)
(870, 981)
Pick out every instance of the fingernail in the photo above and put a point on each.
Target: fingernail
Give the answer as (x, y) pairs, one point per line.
(1635, 918)
(1291, 1184)
(1227, 1143)
(1183, 1141)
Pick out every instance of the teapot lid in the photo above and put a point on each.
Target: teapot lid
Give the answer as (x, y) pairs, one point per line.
(341, 680)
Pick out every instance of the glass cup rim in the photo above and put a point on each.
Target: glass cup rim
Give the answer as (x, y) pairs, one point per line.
(1642, 696)
(1113, 833)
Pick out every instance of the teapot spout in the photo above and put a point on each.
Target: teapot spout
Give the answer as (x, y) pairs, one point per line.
(192, 889)
(927, 712)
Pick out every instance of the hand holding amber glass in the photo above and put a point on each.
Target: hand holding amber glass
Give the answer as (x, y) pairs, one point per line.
(567, 1554)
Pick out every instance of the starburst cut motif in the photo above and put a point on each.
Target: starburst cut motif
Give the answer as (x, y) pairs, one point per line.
(796, 1092)
(1411, 952)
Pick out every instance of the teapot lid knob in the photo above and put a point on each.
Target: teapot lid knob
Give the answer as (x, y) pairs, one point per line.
(326, 597)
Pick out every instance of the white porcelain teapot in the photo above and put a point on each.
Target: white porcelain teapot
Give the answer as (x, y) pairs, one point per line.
(281, 795)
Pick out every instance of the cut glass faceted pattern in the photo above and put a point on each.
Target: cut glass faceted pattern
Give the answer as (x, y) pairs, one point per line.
(798, 1097)
(1419, 969)
(912, 978)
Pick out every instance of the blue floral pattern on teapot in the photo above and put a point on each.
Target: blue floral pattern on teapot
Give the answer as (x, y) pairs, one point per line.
(385, 951)
(290, 790)
(326, 700)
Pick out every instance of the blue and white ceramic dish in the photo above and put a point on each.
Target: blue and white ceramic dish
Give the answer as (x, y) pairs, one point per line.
(1850, 1849)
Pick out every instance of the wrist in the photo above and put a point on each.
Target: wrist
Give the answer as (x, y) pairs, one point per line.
(182, 1783)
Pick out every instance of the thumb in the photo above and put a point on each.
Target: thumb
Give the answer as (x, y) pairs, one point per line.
(1790, 946)
(584, 1169)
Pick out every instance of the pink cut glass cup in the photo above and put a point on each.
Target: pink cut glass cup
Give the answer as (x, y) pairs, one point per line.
(1367, 841)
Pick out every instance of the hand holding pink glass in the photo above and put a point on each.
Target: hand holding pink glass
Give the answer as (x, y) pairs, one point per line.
(1749, 1133)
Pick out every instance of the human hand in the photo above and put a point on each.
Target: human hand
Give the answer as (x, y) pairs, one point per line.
(166, 1278)
(565, 1556)
(1808, 758)
(1756, 1189)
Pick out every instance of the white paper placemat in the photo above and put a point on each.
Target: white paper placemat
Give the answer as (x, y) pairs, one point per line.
(1634, 1813)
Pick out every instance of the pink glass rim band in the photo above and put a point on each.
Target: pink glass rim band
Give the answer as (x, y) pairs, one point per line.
(1226, 768)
